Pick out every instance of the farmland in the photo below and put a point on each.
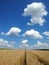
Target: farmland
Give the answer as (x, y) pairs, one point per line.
(24, 57)
(37, 57)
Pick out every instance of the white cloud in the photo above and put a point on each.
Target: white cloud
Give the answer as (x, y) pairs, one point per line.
(41, 45)
(46, 33)
(2, 33)
(33, 33)
(37, 11)
(12, 31)
(3, 42)
(24, 44)
(12, 42)
(6, 43)
(24, 41)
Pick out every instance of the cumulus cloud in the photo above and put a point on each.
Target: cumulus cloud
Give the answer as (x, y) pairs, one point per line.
(24, 44)
(41, 45)
(5, 43)
(37, 11)
(33, 33)
(24, 41)
(46, 33)
(12, 31)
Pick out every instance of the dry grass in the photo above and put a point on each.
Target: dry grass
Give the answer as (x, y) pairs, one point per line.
(43, 56)
(17, 57)
(32, 59)
(11, 57)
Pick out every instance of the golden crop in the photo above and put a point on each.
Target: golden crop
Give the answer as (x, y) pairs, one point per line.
(11, 57)
(22, 57)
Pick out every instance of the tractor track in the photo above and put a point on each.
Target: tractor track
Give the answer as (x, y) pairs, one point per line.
(33, 59)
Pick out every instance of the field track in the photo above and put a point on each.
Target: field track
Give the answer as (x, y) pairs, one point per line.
(24, 57)
(37, 57)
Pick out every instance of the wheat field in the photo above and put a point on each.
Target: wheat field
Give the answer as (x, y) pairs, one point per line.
(11, 57)
(24, 57)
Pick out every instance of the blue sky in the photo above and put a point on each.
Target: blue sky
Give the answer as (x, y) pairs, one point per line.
(11, 17)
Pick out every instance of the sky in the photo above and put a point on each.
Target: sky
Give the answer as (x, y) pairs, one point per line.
(24, 24)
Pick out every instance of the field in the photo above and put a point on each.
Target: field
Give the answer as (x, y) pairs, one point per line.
(24, 57)
(37, 57)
